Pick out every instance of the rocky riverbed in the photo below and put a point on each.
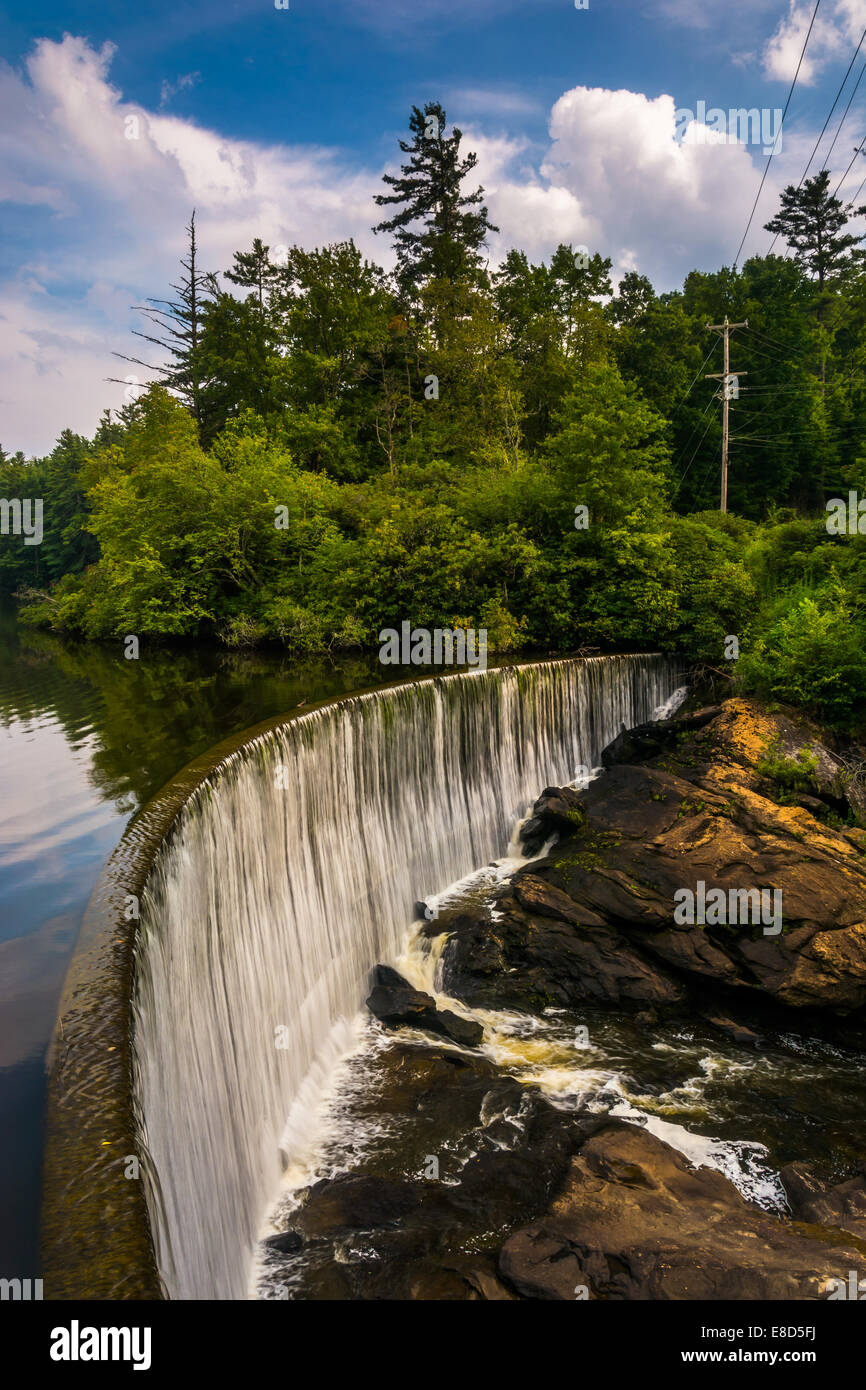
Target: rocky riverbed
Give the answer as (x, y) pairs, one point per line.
(581, 1082)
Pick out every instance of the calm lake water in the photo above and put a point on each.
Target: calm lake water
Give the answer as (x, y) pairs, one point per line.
(86, 738)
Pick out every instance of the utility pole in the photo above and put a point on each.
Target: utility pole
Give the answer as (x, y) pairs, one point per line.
(730, 391)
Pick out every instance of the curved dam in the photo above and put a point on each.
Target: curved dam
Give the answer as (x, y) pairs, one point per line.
(268, 882)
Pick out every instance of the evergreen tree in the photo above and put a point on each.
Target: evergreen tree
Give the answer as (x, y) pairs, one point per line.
(812, 222)
(254, 270)
(180, 322)
(439, 230)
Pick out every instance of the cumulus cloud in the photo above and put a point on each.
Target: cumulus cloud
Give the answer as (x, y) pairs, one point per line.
(616, 179)
(837, 29)
(116, 184)
(109, 187)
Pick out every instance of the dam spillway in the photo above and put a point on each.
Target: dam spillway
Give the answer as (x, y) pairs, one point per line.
(289, 871)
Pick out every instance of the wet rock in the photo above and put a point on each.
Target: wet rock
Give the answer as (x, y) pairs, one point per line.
(634, 1220)
(738, 1032)
(596, 918)
(698, 815)
(526, 961)
(450, 919)
(816, 1201)
(649, 740)
(397, 1004)
(456, 1279)
(354, 1202)
(504, 1151)
(824, 970)
(286, 1243)
(558, 811)
(647, 1018)
(540, 897)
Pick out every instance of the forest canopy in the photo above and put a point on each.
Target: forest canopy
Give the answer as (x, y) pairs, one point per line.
(327, 449)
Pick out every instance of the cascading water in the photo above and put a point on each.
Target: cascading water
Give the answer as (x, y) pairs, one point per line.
(288, 874)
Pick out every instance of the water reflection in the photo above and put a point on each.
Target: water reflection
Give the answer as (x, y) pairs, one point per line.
(86, 738)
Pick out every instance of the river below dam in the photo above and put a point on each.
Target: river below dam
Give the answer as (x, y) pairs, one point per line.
(289, 873)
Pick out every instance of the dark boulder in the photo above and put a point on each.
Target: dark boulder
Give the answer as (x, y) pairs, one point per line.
(818, 1202)
(537, 896)
(647, 741)
(286, 1243)
(397, 1004)
(634, 1220)
(738, 1032)
(558, 811)
(354, 1202)
(524, 960)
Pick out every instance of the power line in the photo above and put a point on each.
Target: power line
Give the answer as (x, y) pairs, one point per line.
(845, 114)
(695, 428)
(693, 457)
(781, 127)
(850, 167)
(857, 194)
(698, 375)
(825, 125)
(776, 343)
(834, 381)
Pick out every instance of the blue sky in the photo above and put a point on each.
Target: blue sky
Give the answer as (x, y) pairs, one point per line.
(280, 123)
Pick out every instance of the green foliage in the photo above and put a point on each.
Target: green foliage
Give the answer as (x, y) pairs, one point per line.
(340, 451)
(813, 655)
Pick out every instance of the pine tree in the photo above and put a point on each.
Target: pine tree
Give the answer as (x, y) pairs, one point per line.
(439, 230)
(811, 221)
(180, 322)
(254, 270)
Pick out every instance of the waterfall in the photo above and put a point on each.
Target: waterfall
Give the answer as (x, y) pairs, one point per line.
(289, 872)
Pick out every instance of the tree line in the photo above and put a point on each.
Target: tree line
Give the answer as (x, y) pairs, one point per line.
(329, 449)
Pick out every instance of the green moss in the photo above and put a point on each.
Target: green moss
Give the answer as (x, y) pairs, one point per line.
(789, 774)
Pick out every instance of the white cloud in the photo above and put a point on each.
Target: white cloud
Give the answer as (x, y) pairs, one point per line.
(115, 212)
(835, 33)
(615, 179)
(108, 212)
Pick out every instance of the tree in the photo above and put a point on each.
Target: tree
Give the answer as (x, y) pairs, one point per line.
(254, 270)
(180, 322)
(453, 225)
(812, 220)
(553, 327)
(239, 359)
(635, 296)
